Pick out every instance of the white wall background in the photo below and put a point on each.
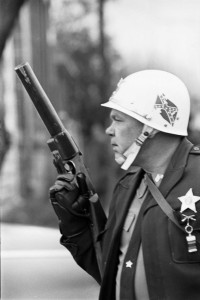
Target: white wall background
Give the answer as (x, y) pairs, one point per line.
(163, 34)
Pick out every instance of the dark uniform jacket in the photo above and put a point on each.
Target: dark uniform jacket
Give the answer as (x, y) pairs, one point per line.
(172, 273)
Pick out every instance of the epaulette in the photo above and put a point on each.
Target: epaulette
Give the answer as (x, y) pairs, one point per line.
(195, 149)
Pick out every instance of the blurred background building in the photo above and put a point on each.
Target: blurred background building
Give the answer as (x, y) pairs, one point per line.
(79, 49)
(25, 165)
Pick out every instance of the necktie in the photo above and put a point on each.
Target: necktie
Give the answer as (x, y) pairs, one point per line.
(129, 266)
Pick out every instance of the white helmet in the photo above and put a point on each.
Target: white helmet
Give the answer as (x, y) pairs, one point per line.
(156, 98)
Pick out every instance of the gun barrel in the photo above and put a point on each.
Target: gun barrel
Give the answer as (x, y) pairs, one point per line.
(40, 99)
(61, 140)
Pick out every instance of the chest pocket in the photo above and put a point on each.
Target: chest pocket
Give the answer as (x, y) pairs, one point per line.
(179, 246)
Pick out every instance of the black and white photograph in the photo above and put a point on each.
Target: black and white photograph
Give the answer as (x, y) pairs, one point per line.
(100, 149)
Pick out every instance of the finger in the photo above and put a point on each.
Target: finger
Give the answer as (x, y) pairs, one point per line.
(56, 188)
(60, 185)
(63, 184)
(81, 180)
(66, 177)
(81, 203)
(65, 198)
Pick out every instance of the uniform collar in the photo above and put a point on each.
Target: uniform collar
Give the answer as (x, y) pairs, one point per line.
(174, 170)
(176, 166)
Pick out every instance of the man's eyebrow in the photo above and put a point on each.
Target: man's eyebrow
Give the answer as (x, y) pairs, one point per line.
(114, 113)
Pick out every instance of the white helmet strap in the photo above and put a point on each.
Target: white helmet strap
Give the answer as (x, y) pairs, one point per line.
(130, 154)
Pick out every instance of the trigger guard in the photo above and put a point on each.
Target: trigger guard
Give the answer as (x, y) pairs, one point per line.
(70, 167)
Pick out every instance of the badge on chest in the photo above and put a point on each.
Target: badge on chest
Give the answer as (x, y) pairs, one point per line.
(188, 205)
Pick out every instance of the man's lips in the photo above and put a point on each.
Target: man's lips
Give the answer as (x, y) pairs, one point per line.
(114, 146)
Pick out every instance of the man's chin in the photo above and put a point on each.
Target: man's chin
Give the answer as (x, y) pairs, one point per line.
(119, 158)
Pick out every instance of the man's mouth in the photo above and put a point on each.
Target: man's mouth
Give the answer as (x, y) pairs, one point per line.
(114, 146)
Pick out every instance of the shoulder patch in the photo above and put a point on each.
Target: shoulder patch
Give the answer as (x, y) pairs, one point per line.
(195, 149)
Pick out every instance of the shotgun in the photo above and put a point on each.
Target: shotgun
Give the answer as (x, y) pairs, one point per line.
(67, 157)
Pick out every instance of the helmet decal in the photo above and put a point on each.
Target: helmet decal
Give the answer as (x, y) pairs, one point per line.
(168, 110)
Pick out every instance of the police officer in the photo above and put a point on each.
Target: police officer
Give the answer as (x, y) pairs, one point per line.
(151, 240)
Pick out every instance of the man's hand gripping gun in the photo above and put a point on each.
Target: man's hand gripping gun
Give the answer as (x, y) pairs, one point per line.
(67, 156)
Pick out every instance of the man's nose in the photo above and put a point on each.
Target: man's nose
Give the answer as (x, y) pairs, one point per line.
(109, 131)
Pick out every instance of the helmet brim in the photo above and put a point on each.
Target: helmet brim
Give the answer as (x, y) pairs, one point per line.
(140, 118)
(113, 105)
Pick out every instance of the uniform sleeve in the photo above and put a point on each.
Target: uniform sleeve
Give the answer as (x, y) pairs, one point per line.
(82, 249)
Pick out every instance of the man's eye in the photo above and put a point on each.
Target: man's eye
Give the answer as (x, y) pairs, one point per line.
(117, 119)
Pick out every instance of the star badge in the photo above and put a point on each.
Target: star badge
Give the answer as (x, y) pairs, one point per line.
(129, 264)
(188, 201)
